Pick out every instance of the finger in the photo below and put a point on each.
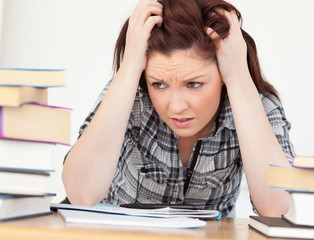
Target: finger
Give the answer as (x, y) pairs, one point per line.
(211, 33)
(151, 22)
(234, 15)
(143, 13)
(144, 3)
(213, 36)
(232, 18)
(220, 11)
(147, 2)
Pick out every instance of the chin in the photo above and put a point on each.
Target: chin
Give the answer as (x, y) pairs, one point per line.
(190, 133)
(184, 133)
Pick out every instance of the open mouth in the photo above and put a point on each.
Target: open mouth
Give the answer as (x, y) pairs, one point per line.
(182, 122)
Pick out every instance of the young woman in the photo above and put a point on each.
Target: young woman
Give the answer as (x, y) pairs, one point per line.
(186, 112)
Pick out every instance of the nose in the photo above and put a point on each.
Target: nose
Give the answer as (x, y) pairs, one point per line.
(178, 102)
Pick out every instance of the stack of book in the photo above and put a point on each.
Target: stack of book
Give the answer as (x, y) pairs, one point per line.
(298, 180)
(29, 131)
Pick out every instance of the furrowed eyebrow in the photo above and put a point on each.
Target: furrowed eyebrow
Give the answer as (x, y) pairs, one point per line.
(185, 81)
(194, 78)
(156, 79)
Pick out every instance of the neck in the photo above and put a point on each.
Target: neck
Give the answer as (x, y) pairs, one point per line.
(185, 146)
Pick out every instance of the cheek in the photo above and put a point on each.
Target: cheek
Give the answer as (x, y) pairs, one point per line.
(211, 99)
(156, 100)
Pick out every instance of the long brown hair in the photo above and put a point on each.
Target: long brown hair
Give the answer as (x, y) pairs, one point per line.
(183, 28)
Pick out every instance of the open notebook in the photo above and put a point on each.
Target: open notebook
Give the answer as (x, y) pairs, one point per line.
(85, 217)
(115, 215)
(164, 212)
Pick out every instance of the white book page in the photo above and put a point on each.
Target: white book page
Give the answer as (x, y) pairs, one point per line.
(74, 216)
(161, 212)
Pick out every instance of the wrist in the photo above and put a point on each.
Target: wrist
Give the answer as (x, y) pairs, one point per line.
(237, 79)
(130, 70)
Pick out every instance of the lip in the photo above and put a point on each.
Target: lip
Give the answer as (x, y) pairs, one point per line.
(182, 122)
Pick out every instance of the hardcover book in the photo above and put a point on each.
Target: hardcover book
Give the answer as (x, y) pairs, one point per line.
(15, 96)
(301, 210)
(32, 77)
(35, 122)
(278, 227)
(13, 207)
(26, 154)
(303, 162)
(19, 181)
(290, 178)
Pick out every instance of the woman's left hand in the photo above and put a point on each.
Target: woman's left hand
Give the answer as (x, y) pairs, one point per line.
(231, 52)
(257, 141)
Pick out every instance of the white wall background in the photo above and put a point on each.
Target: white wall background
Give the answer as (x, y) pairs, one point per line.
(79, 35)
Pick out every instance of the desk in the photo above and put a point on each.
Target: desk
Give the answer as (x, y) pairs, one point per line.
(53, 227)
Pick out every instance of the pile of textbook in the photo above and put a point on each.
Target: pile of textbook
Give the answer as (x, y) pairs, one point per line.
(29, 132)
(298, 180)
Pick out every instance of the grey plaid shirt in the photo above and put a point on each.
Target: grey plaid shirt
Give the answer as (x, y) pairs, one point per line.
(150, 171)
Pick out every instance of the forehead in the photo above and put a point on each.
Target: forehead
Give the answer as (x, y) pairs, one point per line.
(179, 62)
(176, 57)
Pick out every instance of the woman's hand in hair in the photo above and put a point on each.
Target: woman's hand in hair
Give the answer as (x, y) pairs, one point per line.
(231, 52)
(147, 14)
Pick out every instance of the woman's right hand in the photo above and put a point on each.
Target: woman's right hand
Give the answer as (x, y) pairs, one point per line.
(146, 15)
(92, 162)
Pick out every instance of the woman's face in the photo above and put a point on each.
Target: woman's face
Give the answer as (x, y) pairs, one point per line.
(185, 91)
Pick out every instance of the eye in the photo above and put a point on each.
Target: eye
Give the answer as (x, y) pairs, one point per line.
(194, 85)
(158, 85)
